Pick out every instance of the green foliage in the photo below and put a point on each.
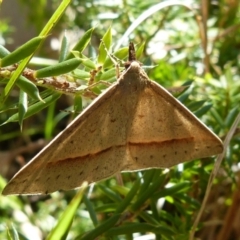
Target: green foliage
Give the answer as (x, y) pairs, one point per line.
(22, 52)
(159, 202)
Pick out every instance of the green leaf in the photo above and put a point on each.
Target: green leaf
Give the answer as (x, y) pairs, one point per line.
(82, 44)
(178, 187)
(49, 123)
(149, 191)
(130, 228)
(105, 46)
(58, 69)
(64, 49)
(22, 107)
(128, 198)
(203, 110)
(216, 116)
(77, 105)
(22, 82)
(231, 116)
(121, 54)
(195, 105)
(28, 87)
(21, 52)
(3, 51)
(80, 74)
(33, 109)
(91, 211)
(108, 75)
(12, 233)
(104, 227)
(50, 24)
(109, 193)
(140, 50)
(64, 223)
(147, 179)
(184, 96)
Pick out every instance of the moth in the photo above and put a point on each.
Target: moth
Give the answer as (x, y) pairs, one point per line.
(135, 124)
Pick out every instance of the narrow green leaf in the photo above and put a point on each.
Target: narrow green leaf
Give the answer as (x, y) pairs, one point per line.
(147, 179)
(82, 44)
(22, 82)
(108, 75)
(105, 46)
(128, 198)
(109, 193)
(49, 123)
(131, 228)
(28, 87)
(121, 54)
(183, 88)
(231, 116)
(203, 110)
(184, 96)
(50, 24)
(64, 49)
(3, 51)
(217, 117)
(77, 105)
(149, 218)
(142, 198)
(33, 109)
(193, 106)
(22, 107)
(12, 233)
(65, 221)
(88, 63)
(90, 208)
(58, 69)
(140, 50)
(182, 186)
(21, 52)
(80, 74)
(104, 227)
(107, 208)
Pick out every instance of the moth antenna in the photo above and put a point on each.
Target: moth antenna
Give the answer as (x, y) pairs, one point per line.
(131, 52)
(111, 56)
(131, 56)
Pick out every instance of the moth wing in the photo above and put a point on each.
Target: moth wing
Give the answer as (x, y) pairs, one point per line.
(84, 151)
(170, 134)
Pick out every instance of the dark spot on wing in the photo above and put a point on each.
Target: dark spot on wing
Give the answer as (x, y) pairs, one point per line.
(58, 176)
(92, 130)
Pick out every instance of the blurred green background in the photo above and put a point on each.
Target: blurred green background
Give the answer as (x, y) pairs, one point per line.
(197, 45)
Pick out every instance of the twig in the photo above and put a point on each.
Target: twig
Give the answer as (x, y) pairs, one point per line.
(213, 174)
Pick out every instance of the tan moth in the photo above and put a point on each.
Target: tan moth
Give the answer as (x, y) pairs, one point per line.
(135, 124)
